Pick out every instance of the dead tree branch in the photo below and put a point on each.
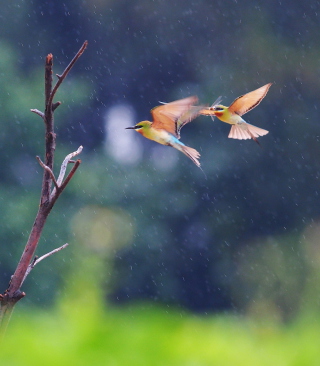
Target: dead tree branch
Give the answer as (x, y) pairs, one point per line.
(37, 259)
(49, 171)
(60, 184)
(39, 113)
(48, 196)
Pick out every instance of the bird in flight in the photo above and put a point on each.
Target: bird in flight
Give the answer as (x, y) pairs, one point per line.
(168, 119)
(240, 129)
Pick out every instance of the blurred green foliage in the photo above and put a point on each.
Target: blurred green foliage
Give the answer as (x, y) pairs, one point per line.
(245, 239)
(81, 332)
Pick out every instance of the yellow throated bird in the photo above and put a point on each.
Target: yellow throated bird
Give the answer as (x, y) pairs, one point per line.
(168, 119)
(240, 129)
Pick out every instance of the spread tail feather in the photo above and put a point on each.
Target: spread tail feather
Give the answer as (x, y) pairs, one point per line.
(244, 131)
(191, 153)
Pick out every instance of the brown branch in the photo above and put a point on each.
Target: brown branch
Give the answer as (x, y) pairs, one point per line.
(55, 106)
(50, 136)
(29, 250)
(66, 71)
(48, 170)
(70, 175)
(13, 294)
(56, 192)
(49, 121)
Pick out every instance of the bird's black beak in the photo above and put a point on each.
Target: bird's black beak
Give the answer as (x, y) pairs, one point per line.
(130, 128)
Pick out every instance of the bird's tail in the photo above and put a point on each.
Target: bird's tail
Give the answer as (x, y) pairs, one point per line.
(244, 131)
(191, 153)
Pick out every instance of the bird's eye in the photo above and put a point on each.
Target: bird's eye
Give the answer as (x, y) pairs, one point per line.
(137, 127)
(218, 108)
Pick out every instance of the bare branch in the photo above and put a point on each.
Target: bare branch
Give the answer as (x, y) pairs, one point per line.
(55, 105)
(49, 121)
(50, 253)
(39, 113)
(48, 170)
(70, 175)
(13, 294)
(65, 163)
(50, 142)
(60, 184)
(36, 260)
(66, 71)
(48, 78)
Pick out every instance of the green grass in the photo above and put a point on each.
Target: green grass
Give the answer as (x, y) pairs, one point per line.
(75, 334)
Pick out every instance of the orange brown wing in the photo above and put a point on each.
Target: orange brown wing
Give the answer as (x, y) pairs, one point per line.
(172, 116)
(246, 102)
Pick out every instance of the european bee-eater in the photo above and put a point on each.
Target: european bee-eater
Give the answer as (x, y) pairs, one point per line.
(168, 119)
(240, 128)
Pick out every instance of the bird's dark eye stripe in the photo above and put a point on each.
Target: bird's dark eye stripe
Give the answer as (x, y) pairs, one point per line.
(218, 109)
(136, 127)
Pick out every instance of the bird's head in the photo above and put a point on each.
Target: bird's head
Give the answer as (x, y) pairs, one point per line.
(218, 109)
(140, 127)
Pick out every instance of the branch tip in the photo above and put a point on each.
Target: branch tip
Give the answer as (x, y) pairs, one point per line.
(19, 295)
(37, 259)
(49, 59)
(39, 113)
(55, 105)
(66, 71)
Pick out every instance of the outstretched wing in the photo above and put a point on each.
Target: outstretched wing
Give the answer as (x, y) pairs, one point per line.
(246, 102)
(172, 116)
(188, 116)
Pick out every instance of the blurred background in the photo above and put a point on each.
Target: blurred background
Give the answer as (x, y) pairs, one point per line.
(147, 230)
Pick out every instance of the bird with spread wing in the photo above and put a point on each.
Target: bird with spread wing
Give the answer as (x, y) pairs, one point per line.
(168, 119)
(240, 129)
